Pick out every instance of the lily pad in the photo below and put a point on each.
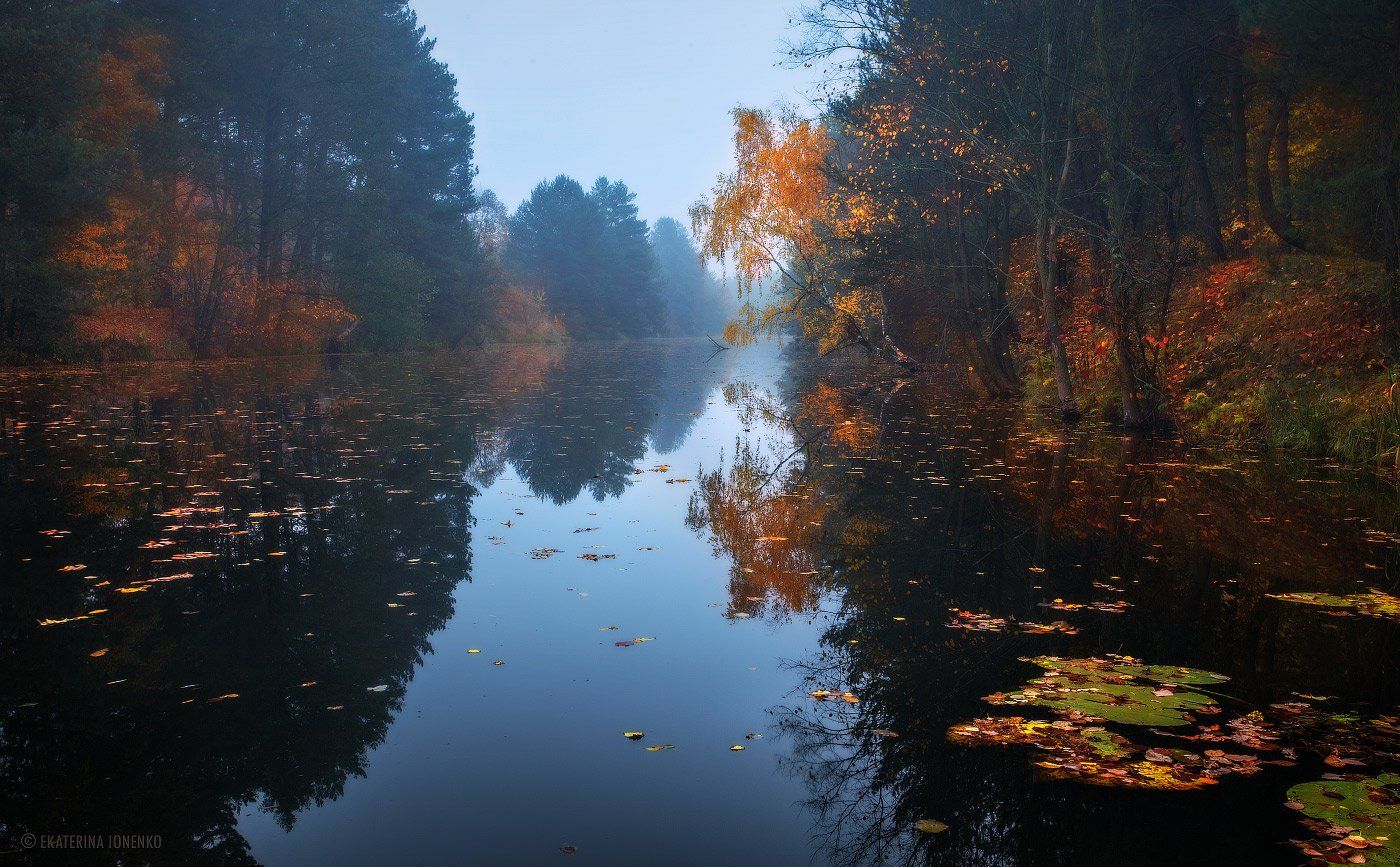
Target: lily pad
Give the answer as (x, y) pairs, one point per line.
(1351, 816)
(1116, 689)
(1372, 604)
(1094, 755)
(1130, 667)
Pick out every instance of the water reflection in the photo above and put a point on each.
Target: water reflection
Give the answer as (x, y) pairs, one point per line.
(902, 507)
(220, 580)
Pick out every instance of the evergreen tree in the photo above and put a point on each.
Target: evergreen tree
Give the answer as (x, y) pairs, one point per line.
(589, 254)
(48, 158)
(694, 299)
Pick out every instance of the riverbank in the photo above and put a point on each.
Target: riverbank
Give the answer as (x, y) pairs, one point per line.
(1288, 352)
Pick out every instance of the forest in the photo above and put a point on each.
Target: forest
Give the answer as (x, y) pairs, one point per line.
(196, 178)
(822, 433)
(1173, 217)
(1180, 215)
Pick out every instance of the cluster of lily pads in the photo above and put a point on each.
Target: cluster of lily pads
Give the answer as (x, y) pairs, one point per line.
(1354, 818)
(1084, 693)
(1370, 604)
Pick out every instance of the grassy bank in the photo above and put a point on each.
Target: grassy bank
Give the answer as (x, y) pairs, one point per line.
(1287, 352)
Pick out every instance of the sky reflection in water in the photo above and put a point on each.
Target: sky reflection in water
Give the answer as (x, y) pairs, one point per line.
(308, 552)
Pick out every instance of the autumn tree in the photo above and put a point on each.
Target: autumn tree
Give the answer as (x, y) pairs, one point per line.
(771, 217)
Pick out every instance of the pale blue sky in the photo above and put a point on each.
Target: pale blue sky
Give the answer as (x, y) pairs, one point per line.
(638, 90)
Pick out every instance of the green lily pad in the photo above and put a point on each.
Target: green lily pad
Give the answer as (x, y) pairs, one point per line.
(1094, 755)
(1116, 689)
(1129, 667)
(1372, 604)
(1352, 816)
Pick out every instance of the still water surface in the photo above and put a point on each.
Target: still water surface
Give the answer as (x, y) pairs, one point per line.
(239, 603)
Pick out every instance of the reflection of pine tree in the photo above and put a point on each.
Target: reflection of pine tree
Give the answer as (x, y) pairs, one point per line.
(323, 496)
(134, 755)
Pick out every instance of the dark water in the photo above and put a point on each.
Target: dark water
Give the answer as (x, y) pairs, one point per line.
(237, 601)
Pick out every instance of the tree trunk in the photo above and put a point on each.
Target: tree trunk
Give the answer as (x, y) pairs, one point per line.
(1047, 264)
(1269, 212)
(268, 215)
(1390, 218)
(1200, 171)
(1282, 163)
(1000, 334)
(1239, 114)
(1133, 410)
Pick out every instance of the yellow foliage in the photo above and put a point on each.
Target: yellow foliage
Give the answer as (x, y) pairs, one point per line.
(769, 214)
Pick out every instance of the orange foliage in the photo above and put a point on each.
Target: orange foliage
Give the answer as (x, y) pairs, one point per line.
(522, 316)
(849, 427)
(769, 533)
(128, 77)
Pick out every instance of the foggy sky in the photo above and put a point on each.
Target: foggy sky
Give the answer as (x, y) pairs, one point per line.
(638, 90)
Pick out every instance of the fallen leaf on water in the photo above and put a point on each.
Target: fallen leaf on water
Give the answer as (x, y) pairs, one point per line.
(930, 826)
(737, 748)
(634, 736)
(659, 747)
(57, 621)
(380, 688)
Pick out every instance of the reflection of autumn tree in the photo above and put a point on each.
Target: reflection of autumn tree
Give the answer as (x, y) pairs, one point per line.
(848, 426)
(766, 521)
(765, 514)
(935, 506)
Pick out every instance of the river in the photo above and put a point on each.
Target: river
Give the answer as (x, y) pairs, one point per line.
(658, 604)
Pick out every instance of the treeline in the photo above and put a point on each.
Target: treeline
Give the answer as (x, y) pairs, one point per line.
(207, 178)
(248, 177)
(1005, 185)
(587, 257)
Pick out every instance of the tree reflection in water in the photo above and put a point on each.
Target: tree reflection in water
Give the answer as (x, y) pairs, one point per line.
(252, 559)
(898, 507)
